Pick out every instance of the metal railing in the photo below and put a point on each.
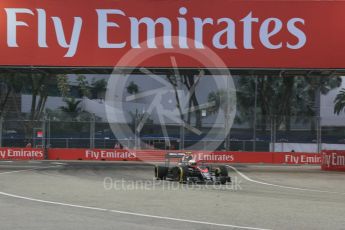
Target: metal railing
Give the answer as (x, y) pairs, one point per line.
(92, 133)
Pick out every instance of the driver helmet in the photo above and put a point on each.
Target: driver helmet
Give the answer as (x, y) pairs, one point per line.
(187, 157)
(192, 163)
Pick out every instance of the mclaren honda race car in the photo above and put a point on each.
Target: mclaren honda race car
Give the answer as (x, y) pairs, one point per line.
(189, 171)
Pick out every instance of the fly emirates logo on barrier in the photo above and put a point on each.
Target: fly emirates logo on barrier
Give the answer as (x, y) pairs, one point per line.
(334, 159)
(302, 159)
(228, 33)
(109, 155)
(217, 157)
(20, 154)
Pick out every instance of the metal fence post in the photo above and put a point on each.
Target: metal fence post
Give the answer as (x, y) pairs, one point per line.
(255, 111)
(319, 134)
(273, 133)
(227, 114)
(92, 131)
(1, 122)
(48, 132)
(136, 132)
(182, 136)
(44, 131)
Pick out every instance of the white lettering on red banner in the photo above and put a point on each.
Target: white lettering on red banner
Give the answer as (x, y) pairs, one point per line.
(11, 153)
(244, 34)
(109, 154)
(334, 159)
(302, 159)
(268, 28)
(207, 157)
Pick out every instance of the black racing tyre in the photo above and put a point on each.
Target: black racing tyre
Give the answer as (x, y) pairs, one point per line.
(161, 172)
(183, 173)
(221, 171)
(223, 180)
(175, 172)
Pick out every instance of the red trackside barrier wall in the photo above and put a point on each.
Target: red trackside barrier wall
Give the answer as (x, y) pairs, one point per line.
(205, 156)
(94, 154)
(21, 154)
(333, 160)
(159, 155)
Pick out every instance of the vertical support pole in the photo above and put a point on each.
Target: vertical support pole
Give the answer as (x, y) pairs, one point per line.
(136, 131)
(318, 115)
(1, 123)
(319, 135)
(44, 131)
(227, 114)
(271, 132)
(48, 132)
(274, 132)
(255, 111)
(182, 134)
(92, 131)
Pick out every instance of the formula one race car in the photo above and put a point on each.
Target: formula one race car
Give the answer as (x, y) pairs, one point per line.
(189, 171)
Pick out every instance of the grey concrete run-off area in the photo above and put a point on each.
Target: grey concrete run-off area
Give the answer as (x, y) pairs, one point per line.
(86, 195)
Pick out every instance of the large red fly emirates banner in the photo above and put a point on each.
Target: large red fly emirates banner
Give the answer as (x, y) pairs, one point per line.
(151, 33)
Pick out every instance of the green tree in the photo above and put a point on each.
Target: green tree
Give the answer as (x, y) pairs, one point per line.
(132, 88)
(283, 97)
(63, 85)
(98, 88)
(10, 85)
(38, 84)
(72, 107)
(339, 102)
(84, 87)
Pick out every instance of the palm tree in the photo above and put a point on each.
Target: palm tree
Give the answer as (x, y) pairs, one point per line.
(98, 88)
(339, 102)
(132, 88)
(72, 107)
(283, 97)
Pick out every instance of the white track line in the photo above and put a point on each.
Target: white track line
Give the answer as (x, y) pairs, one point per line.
(6, 161)
(128, 213)
(281, 186)
(118, 211)
(58, 163)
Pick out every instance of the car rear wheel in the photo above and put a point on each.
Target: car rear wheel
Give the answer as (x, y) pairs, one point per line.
(222, 173)
(183, 170)
(161, 172)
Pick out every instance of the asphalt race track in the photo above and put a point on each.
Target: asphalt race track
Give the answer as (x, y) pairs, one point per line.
(84, 195)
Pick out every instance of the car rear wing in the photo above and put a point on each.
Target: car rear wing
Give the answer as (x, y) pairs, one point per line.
(172, 156)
